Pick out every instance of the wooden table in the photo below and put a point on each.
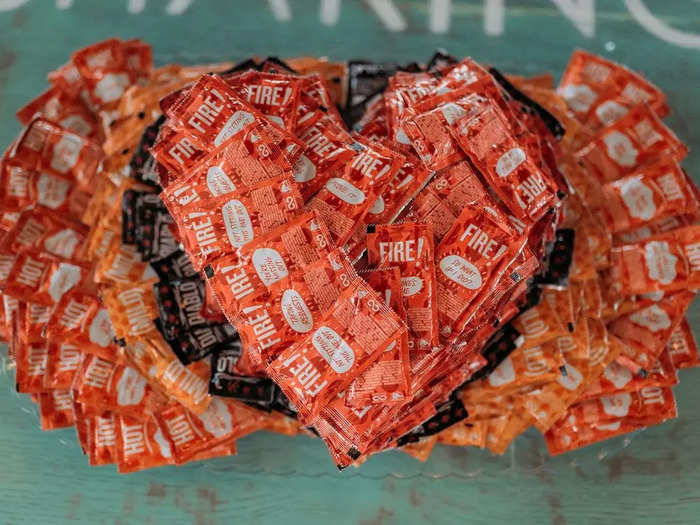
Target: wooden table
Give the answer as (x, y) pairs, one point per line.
(649, 477)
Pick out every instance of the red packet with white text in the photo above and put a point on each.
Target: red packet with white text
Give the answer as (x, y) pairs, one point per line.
(597, 89)
(682, 346)
(470, 259)
(665, 262)
(222, 224)
(30, 368)
(654, 193)
(388, 380)
(646, 331)
(344, 200)
(292, 307)
(140, 444)
(80, 318)
(223, 421)
(527, 191)
(102, 440)
(63, 360)
(327, 150)
(410, 247)
(637, 139)
(56, 409)
(351, 337)
(275, 95)
(266, 260)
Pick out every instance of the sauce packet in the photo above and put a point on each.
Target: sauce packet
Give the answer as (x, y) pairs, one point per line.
(470, 259)
(666, 262)
(656, 192)
(410, 247)
(389, 378)
(637, 139)
(62, 361)
(223, 421)
(344, 200)
(56, 409)
(351, 337)
(526, 190)
(80, 318)
(599, 91)
(293, 306)
(267, 260)
(102, 440)
(646, 331)
(682, 346)
(180, 320)
(224, 223)
(140, 444)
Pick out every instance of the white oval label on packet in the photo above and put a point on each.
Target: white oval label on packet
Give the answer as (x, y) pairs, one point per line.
(333, 349)
(101, 332)
(296, 312)
(660, 262)
(652, 317)
(238, 121)
(411, 285)
(269, 265)
(617, 405)
(345, 191)
(638, 197)
(621, 149)
(579, 97)
(304, 169)
(239, 228)
(509, 161)
(503, 374)
(218, 182)
(461, 271)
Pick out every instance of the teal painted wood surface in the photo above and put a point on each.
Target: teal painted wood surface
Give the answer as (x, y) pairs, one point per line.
(649, 477)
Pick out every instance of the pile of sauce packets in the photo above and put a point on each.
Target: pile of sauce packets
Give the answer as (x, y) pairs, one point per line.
(382, 255)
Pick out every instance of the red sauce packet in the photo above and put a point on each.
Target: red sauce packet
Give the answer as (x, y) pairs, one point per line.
(617, 378)
(327, 150)
(102, 440)
(636, 140)
(104, 386)
(444, 198)
(344, 200)
(60, 155)
(527, 191)
(141, 444)
(275, 95)
(410, 247)
(665, 262)
(646, 331)
(223, 421)
(470, 259)
(656, 192)
(350, 338)
(682, 346)
(222, 224)
(43, 230)
(599, 91)
(389, 378)
(293, 306)
(30, 360)
(56, 409)
(210, 114)
(266, 260)
(62, 363)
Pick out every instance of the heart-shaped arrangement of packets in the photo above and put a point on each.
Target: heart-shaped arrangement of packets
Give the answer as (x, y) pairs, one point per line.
(195, 253)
